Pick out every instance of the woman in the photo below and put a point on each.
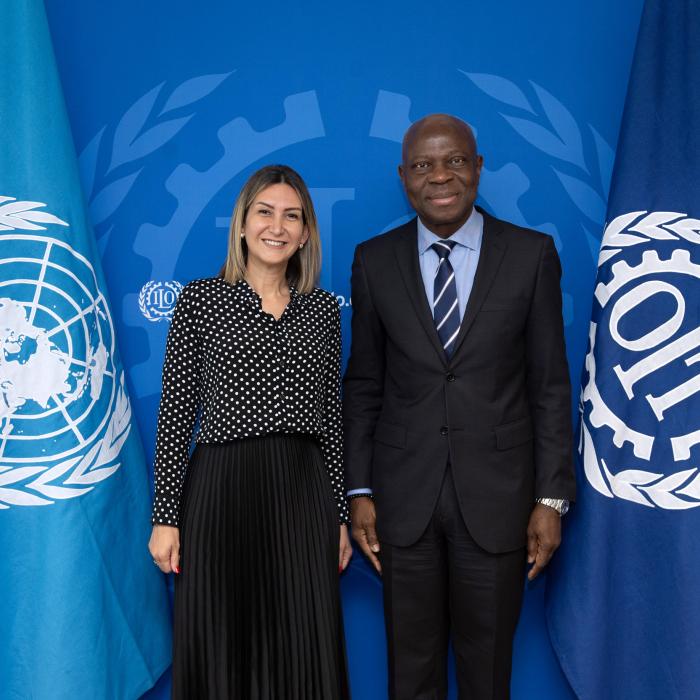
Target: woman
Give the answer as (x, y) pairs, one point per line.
(254, 524)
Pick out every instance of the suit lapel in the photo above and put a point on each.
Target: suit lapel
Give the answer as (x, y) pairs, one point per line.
(407, 257)
(492, 250)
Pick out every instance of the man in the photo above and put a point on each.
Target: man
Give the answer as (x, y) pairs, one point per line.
(457, 419)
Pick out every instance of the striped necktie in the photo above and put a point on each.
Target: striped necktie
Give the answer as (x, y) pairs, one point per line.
(445, 305)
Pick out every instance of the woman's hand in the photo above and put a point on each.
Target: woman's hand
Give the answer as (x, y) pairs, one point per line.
(345, 548)
(164, 547)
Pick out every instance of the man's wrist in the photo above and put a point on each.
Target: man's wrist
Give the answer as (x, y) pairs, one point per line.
(363, 492)
(561, 505)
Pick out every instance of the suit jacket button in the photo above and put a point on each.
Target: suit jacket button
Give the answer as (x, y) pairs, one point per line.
(444, 430)
(450, 377)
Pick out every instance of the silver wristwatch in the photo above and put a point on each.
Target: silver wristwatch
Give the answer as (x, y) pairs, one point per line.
(561, 505)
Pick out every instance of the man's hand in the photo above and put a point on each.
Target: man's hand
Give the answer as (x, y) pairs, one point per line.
(164, 547)
(364, 519)
(543, 538)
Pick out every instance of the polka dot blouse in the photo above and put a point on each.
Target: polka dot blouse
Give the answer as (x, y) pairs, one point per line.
(245, 374)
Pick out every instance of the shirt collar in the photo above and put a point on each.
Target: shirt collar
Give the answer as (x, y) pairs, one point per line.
(468, 235)
(248, 293)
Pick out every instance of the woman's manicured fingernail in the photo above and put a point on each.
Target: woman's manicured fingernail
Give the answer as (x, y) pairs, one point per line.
(177, 569)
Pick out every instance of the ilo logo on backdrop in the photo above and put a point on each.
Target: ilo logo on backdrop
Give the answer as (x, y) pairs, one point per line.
(117, 163)
(157, 299)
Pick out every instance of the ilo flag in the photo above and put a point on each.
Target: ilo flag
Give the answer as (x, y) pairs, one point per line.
(623, 598)
(83, 611)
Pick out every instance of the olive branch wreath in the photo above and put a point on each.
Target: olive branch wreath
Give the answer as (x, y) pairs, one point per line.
(630, 230)
(552, 129)
(24, 215)
(72, 477)
(141, 131)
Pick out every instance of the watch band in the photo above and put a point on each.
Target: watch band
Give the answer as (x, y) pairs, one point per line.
(561, 505)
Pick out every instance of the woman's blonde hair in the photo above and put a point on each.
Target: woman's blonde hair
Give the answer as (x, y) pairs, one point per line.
(304, 266)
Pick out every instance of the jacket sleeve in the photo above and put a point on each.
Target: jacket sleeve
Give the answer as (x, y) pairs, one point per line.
(548, 385)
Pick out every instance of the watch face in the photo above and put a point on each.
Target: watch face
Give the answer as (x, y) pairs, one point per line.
(564, 508)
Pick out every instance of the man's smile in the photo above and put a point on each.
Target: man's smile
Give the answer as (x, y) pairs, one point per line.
(443, 200)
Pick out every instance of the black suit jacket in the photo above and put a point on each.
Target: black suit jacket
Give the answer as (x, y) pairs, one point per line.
(499, 410)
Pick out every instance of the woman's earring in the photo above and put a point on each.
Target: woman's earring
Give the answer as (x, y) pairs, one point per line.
(301, 245)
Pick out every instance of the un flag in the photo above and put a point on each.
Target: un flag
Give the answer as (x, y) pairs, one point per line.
(83, 611)
(622, 599)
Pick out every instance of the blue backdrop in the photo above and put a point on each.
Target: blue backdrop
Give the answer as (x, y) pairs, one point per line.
(173, 105)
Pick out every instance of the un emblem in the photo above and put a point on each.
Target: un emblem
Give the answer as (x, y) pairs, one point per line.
(642, 366)
(64, 414)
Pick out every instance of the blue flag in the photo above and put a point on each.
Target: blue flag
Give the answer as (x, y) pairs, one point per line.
(623, 597)
(83, 610)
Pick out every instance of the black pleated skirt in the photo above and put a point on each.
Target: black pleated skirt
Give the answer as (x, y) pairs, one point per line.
(257, 606)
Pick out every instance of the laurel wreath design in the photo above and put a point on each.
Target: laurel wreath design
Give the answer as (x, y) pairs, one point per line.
(109, 168)
(639, 227)
(72, 477)
(645, 488)
(586, 159)
(679, 490)
(24, 215)
(149, 313)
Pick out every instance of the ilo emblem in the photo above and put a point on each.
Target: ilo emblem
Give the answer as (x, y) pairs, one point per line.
(157, 299)
(640, 402)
